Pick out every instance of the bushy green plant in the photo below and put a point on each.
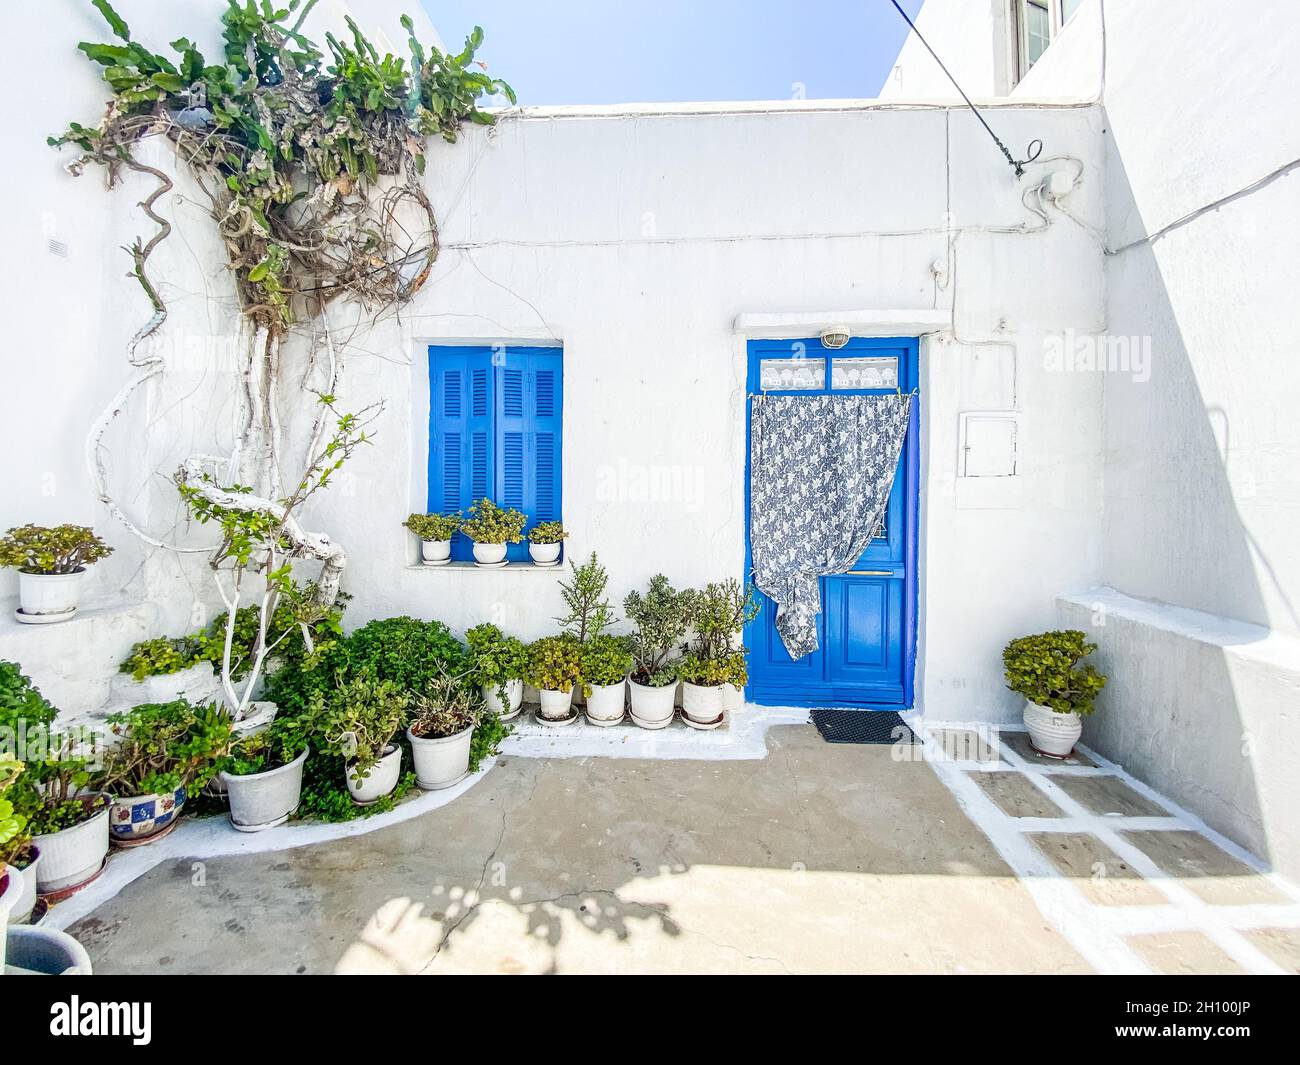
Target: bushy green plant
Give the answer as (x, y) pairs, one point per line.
(163, 747)
(1048, 669)
(13, 825)
(163, 655)
(605, 660)
(411, 653)
(589, 612)
(358, 719)
(62, 549)
(497, 658)
(554, 663)
(434, 526)
(451, 706)
(660, 617)
(710, 672)
(717, 614)
(547, 532)
(490, 524)
(487, 737)
(283, 740)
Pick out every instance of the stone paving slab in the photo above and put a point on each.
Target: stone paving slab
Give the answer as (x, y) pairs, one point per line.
(1096, 870)
(1184, 954)
(1107, 795)
(1280, 944)
(1019, 742)
(1202, 867)
(965, 745)
(1016, 795)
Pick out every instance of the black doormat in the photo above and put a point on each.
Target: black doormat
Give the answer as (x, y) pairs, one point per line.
(862, 726)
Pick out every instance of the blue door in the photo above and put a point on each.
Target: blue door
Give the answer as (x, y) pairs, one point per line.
(866, 654)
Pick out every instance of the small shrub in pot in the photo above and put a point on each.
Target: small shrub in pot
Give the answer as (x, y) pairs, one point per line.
(554, 667)
(605, 662)
(491, 528)
(50, 564)
(434, 532)
(659, 617)
(441, 729)
(357, 721)
(584, 594)
(544, 542)
(263, 773)
(717, 614)
(1059, 687)
(499, 664)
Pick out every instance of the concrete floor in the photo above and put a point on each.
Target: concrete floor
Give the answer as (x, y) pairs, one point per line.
(818, 858)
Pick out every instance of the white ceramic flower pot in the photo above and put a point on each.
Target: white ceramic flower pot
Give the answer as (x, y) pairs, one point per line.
(73, 856)
(1051, 733)
(435, 550)
(264, 800)
(440, 761)
(605, 703)
(382, 778)
(652, 707)
(27, 898)
(514, 698)
(554, 705)
(13, 889)
(544, 554)
(49, 593)
(489, 554)
(700, 703)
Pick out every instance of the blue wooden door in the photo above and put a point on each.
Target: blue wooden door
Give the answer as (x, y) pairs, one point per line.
(867, 628)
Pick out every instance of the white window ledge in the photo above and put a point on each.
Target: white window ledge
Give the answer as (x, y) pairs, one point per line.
(512, 567)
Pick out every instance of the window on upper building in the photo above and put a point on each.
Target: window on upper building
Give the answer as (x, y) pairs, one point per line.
(495, 432)
(1037, 22)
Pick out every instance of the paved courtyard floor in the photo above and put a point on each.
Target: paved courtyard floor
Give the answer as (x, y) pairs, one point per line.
(815, 858)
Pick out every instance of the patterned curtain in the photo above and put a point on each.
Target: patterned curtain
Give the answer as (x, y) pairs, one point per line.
(821, 469)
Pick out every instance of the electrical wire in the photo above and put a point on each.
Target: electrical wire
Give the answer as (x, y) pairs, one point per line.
(1035, 147)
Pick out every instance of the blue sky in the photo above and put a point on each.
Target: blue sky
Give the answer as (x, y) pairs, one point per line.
(627, 51)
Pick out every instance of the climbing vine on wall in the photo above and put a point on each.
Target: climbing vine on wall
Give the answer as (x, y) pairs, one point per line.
(310, 161)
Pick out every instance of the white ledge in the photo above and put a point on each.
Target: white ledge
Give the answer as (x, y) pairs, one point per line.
(472, 567)
(789, 325)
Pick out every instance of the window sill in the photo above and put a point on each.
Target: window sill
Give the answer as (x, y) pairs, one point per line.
(510, 567)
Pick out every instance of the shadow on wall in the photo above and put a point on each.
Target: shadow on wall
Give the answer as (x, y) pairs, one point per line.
(1173, 714)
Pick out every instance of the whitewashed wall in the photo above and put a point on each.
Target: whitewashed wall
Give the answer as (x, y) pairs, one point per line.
(634, 237)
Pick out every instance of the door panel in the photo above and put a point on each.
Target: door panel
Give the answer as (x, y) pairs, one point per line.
(866, 630)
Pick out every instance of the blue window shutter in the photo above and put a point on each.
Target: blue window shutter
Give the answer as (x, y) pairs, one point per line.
(461, 445)
(529, 402)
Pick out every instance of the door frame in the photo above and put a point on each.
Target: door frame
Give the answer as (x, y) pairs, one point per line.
(910, 380)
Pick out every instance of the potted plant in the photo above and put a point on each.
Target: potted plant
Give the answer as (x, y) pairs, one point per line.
(50, 564)
(68, 823)
(500, 662)
(717, 614)
(1059, 687)
(605, 662)
(491, 527)
(357, 721)
(554, 667)
(441, 731)
(263, 773)
(660, 619)
(166, 753)
(435, 532)
(544, 542)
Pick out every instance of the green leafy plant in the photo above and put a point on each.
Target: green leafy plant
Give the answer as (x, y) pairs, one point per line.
(163, 747)
(589, 612)
(710, 672)
(413, 654)
(497, 658)
(605, 659)
(487, 737)
(718, 614)
(434, 526)
(660, 616)
(63, 549)
(490, 524)
(554, 663)
(358, 720)
(58, 764)
(451, 706)
(1048, 669)
(282, 741)
(13, 825)
(162, 655)
(547, 532)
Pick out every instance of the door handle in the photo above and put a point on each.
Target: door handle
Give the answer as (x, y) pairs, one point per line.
(869, 573)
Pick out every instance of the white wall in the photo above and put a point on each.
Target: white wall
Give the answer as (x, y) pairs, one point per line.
(970, 36)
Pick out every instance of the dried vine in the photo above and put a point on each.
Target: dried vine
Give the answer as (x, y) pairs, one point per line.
(311, 163)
